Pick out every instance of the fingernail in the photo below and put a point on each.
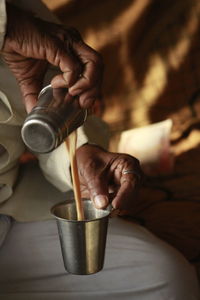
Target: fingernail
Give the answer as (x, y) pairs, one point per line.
(100, 201)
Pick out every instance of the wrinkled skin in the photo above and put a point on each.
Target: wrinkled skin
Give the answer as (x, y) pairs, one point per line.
(30, 44)
(101, 177)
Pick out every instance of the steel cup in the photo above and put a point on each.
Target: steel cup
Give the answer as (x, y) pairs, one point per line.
(82, 242)
(55, 116)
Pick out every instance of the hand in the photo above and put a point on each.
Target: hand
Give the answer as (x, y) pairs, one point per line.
(102, 178)
(30, 44)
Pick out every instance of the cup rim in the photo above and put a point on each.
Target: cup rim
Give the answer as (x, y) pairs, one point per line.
(72, 201)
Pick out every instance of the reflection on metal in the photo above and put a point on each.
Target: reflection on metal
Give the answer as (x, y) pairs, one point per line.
(82, 242)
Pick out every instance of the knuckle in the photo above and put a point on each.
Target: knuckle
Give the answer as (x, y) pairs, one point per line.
(73, 69)
(133, 160)
(127, 158)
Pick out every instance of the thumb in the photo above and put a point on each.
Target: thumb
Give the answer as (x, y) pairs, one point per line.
(98, 190)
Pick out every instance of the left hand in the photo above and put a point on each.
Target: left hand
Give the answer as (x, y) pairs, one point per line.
(101, 175)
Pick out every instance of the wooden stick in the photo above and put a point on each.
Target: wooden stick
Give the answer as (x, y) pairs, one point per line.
(71, 146)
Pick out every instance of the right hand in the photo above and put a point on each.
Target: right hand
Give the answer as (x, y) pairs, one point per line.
(30, 44)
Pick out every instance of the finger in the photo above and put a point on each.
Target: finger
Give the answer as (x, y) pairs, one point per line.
(58, 82)
(98, 190)
(87, 98)
(129, 177)
(126, 193)
(53, 50)
(70, 67)
(68, 37)
(61, 97)
(92, 68)
(90, 77)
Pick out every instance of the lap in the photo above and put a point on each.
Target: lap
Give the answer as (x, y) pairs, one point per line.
(137, 266)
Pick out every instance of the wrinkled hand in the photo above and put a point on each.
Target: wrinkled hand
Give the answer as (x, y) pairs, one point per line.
(101, 175)
(30, 44)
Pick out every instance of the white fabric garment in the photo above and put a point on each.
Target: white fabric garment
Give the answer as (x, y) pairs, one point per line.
(137, 266)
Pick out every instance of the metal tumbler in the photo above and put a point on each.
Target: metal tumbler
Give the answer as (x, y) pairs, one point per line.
(54, 117)
(82, 242)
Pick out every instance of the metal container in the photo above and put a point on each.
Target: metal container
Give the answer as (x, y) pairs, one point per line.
(82, 242)
(54, 117)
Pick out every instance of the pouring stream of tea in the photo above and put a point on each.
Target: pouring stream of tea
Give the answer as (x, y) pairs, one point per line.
(71, 146)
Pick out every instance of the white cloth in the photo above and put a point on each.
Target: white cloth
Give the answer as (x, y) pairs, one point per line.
(30, 200)
(137, 266)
